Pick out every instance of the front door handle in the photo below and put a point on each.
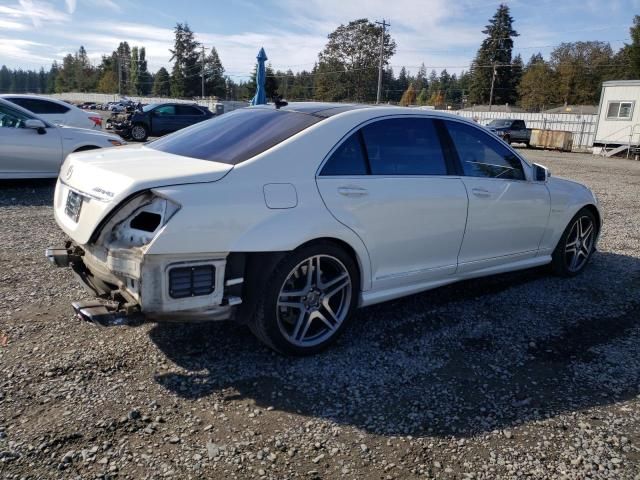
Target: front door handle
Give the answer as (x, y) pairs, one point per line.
(480, 192)
(350, 191)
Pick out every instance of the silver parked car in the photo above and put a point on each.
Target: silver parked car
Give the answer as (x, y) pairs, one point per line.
(33, 148)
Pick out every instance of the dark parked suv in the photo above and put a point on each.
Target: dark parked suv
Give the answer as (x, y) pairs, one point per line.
(161, 118)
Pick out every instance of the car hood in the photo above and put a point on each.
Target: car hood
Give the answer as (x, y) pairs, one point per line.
(104, 178)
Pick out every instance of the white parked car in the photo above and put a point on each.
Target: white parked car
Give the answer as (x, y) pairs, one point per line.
(56, 111)
(33, 148)
(289, 219)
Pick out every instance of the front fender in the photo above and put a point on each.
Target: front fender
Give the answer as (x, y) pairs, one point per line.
(567, 198)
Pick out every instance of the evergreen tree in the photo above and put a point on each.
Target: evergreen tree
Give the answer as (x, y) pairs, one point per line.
(517, 70)
(53, 75)
(215, 84)
(161, 84)
(42, 81)
(122, 64)
(186, 71)
(5, 79)
(421, 79)
(144, 82)
(132, 85)
(348, 64)
(65, 79)
(494, 55)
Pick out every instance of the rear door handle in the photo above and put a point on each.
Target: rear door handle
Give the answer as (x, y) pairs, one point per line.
(350, 191)
(480, 192)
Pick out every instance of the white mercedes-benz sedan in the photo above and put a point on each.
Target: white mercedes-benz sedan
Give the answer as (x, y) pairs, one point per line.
(34, 148)
(288, 219)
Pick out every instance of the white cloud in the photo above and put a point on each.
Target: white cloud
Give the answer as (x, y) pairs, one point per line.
(6, 24)
(71, 5)
(23, 50)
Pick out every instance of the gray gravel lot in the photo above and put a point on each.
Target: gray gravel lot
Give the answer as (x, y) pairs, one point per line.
(519, 375)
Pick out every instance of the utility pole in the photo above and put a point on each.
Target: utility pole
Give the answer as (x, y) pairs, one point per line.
(119, 76)
(384, 26)
(202, 70)
(493, 81)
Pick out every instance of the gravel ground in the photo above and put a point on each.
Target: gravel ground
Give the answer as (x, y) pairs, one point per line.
(518, 375)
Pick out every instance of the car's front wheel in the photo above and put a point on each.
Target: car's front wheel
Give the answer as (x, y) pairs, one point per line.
(139, 132)
(576, 245)
(308, 300)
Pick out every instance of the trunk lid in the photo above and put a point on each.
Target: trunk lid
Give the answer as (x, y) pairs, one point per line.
(104, 178)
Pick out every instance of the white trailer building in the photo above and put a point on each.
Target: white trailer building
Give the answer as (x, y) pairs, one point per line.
(618, 124)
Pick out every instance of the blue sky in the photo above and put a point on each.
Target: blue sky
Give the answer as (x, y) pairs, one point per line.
(440, 33)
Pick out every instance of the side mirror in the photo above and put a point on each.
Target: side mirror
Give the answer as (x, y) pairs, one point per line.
(36, 124)
(540, 173)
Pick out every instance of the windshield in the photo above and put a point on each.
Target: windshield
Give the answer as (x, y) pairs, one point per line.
(236, 136)
(500, 123)
(151, 106)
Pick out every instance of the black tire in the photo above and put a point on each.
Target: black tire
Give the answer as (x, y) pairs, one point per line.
(139, 132)
(267, 324)
(562, 257)
(507, 138)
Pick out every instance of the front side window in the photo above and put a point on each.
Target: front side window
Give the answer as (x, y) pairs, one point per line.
(348, 159)
(620, 110)
(404, 146)
(10, 118)
(165, 110)
(235, 136)
(482, 155)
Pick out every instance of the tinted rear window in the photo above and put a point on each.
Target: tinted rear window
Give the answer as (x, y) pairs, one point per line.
(236, 136)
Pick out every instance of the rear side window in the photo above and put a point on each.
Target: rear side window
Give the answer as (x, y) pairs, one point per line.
(482, 155)
(187, 110)
(40, 106)
(348, 159)
(404, 146)
(235, 136)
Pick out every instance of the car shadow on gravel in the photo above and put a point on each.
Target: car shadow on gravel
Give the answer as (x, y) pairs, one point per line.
(16, 192)
(468, 358)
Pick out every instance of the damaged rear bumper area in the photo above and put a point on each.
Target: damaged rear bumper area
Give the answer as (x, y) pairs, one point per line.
(132, 287)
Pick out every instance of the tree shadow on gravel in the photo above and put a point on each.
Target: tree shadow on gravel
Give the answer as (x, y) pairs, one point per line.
(459, 360)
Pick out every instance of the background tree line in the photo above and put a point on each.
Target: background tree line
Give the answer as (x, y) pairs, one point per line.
(347, 69)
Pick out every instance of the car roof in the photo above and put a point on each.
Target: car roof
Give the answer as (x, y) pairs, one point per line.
(330, 109)
(35, 97)
(320, 109)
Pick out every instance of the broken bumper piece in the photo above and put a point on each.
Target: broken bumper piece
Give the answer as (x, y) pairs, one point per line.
(107, 314)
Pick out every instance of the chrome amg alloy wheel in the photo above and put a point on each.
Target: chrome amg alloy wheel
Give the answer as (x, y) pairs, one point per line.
(579, 243)
(314, 300)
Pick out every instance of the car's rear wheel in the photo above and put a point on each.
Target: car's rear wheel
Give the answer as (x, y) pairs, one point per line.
(507, 139)
(139, 132)
(576, 245)
(308, 300)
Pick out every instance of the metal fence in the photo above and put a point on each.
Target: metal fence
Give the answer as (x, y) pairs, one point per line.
(583, 127)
